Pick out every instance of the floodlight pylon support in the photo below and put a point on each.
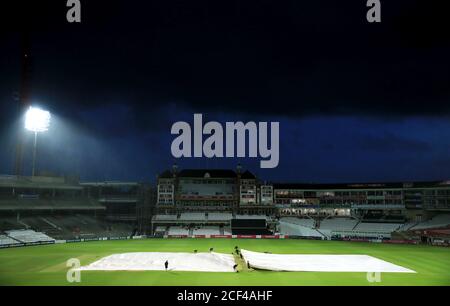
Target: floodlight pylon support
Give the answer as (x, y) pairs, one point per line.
(33, 169)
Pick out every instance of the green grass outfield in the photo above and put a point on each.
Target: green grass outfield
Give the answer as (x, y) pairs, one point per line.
(46, 265)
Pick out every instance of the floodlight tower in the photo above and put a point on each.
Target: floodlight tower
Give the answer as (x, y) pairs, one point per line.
(36, 120)
(24, 93)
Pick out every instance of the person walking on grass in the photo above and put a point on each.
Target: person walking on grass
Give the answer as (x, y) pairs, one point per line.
(166, 265)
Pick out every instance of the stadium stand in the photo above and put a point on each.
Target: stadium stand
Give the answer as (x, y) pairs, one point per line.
(347, 227)
(68, 226)
(10, 223)
(299, 227)
(338, 224)
(178, 230)
(49, 204)
(193, 217)
(251, 217)
(439, 221)
(292, 229)
(28, 236)
(306, 222)
(407, 226)
(161, 229)
(377, 227)
(5, 240)
(226, 231)
(165, 217)
(219, 216)
(207, 230)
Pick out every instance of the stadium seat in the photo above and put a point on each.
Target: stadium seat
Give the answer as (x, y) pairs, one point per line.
(439, 221)
(193, 217)
(178, 230)
(338, 224)
(207, 230)
(28, 236)
(219, 216)
(5, 240)
(165, 217)
(377, 227)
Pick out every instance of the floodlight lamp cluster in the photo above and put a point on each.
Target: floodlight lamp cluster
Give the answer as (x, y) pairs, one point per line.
(37, 120)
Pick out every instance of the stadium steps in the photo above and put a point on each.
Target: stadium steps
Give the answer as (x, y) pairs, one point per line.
(81, 219)
(323, 235)
(51, 224)
(356, 225)
(18, 241)
(23, 224)
(9, 223)
(314, 226)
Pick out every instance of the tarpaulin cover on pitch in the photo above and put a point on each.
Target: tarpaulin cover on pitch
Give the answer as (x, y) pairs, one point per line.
(144, 261)
(320, 263)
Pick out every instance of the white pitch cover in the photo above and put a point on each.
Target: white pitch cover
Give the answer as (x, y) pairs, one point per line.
(320, 263)
(145, 261)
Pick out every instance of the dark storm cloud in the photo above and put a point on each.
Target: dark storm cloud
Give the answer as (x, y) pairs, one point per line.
(348, 94)
(390, 142)
(290, 58)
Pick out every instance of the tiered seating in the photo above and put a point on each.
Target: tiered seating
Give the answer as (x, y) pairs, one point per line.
(10, 223)
(119, 230)
(438, 221)
(28, 236)
(5, 240)
(40, 204)
(193, 217)
(160, 229)
(178, 230)
(407, 226)
(251, 217)
(226, 231)
(303, 222)
(338, 224)
(207, 230)
(377, 227)
(165, 217)
(219, 216)
(288, 228)
(80, 226)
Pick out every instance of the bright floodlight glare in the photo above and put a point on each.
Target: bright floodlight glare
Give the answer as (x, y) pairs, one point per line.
(37, 120)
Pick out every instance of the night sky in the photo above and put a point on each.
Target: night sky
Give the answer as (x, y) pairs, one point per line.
(355, 101)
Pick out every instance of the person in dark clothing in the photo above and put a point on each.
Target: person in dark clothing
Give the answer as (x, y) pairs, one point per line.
(166, 264)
